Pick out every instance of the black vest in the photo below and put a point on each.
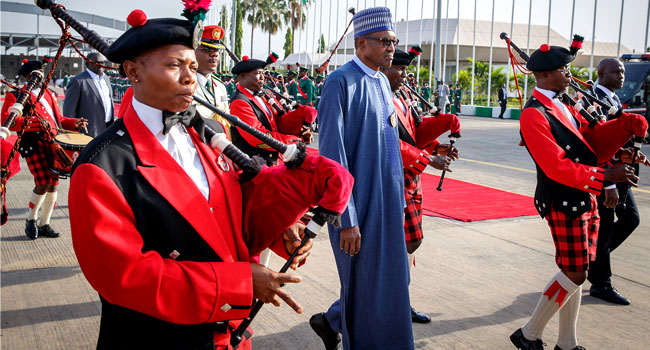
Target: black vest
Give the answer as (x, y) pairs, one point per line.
(570, 201)
(159, 224)
(270, 157)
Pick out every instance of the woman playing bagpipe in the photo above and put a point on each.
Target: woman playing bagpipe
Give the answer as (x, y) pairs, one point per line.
(416, 136)
(43, 117)
(164, 225)
(569, 148)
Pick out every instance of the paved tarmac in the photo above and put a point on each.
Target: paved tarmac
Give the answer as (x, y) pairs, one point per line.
(478, 281)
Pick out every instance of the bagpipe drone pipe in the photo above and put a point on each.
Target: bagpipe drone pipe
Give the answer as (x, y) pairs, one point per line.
(605, 137)
(293, 118)
(16, 110)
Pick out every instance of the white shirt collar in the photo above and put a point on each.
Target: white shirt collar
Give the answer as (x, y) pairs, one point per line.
(548, 93)
(367, 70)
(607, 91)
(201, 78)
(151, 117)
(551, 94)
(93, 75)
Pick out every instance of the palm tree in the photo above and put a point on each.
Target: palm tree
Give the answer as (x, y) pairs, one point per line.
(295, 17)
(271, 16)
(254, 17)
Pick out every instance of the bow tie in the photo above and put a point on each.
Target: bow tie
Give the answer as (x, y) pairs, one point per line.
(186, 118)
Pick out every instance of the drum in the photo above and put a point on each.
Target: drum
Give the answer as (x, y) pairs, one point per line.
(72, 144)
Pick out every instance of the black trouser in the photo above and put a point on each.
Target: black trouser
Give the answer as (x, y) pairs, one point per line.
(612, 233)
(503, 107)
(457, 105)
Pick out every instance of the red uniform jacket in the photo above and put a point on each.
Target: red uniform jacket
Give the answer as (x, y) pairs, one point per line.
(245, 112)
(56, 121)
(549, 156)
(414, 159)
(136, 264)
(418, 142)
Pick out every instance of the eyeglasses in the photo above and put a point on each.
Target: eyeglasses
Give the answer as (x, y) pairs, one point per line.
(386, 41)
(565, 70)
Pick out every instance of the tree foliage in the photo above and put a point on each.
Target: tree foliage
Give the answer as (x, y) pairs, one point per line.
(271, 17)
(239, 32)
(321, 44)
(288, 43)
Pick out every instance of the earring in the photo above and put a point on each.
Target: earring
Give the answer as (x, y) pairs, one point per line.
(136, 81)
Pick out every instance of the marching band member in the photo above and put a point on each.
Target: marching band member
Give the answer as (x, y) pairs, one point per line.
(568, 178)
(37, 151)
(415, 159)
(258, 110)
(156, 214)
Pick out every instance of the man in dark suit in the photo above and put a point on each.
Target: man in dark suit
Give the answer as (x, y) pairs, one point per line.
(615, 201)
(503, 99)
(89, 96)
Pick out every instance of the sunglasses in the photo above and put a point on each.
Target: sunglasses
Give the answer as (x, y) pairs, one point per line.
(385, 41)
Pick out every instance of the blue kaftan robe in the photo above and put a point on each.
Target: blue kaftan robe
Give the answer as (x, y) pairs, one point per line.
(355, 129)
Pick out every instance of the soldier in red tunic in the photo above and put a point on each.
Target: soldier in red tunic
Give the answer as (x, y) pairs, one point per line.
(37, 152)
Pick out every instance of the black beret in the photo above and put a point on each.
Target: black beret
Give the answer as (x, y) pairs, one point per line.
(401, 58)
(549, 58)
(29, 67)
(247, 65)
(152, 34)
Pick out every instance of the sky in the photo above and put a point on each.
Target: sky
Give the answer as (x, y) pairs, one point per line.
(324, 15)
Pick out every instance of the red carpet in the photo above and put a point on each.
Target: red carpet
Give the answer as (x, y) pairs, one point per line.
(464, 201)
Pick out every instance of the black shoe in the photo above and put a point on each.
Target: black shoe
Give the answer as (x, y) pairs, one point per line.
(608, 293)
(418, 317)
(330, 338)
(48, 231)
(500, 117)
(517, 338)
(31, 230)
(576, 348)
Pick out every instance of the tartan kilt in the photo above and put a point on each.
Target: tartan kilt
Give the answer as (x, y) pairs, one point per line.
(575, 239)
(39, 165)
(413, 210)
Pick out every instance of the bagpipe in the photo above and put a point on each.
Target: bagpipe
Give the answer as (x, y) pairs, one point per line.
(58, 156)
(9, 162)
(323, 66)
(293, 119)
(605, 137)
(16, 110)
(428, 129)
(281, 194)
(286, 103)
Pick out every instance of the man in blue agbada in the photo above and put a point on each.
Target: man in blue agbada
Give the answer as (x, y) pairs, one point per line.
(358, 128)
